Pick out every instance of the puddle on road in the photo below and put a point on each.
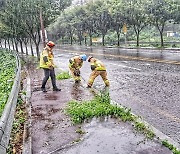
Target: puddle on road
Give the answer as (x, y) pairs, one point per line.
(109, 136)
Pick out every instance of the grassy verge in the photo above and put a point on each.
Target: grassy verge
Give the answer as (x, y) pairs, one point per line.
(170, 147)
(100, 106)
(63, 75)
(7, 71)
(16, 139)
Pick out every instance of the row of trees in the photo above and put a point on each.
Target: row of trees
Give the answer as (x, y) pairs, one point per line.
(20, 20)
(100, 16)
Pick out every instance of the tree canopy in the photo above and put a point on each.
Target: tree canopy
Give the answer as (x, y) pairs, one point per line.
(21, 18)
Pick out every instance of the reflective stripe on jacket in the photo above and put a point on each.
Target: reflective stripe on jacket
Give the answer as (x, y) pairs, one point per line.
(46, 54)
(99, 66)
(75, 62)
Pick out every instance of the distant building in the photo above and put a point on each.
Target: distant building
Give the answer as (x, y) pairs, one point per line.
(170, 33)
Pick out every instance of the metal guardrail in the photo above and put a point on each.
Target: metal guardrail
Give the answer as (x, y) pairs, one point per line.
(7, 117)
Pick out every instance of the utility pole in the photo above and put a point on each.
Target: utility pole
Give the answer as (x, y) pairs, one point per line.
(42, 28)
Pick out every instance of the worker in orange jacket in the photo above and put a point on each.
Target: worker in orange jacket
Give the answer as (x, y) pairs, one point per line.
(98, 68)
(75, 63)
(46, 62)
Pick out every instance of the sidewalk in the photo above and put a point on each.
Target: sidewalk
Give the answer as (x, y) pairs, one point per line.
(53, 132)
(51, 128)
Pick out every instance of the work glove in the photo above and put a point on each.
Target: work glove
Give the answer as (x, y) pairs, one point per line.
(70, 61)
(51, 67)
(93, 67)
(77, 72)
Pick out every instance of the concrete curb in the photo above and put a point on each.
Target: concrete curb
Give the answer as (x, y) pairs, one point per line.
(27, 137)
(159, 135)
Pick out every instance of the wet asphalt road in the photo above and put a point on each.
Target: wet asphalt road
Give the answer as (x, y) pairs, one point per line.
(150, 89)
(167, 54)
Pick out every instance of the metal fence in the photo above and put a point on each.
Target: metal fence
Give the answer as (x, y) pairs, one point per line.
(7, 117)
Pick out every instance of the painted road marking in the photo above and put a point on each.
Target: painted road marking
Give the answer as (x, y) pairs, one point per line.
(120, 65)
(127, 57)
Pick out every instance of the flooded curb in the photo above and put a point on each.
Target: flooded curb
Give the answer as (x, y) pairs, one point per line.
(158, 134)
(107, 135)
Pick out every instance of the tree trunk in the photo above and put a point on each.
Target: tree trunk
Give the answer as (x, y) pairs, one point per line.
(62, 39)
(21, 45)
(103, 36)
(12, 44)
(37, 50)
(71, 39)
(137, 43)
(5, 43)
(118, 35)
(25, 43)
(90, 39)
(80, 43)
(162, 41)
(9, 46)
(85, 40)
(32, 53)
(0, 43)
(16, 46)
(37, 46)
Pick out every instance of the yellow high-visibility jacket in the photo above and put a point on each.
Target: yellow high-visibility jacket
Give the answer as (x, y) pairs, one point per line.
(75, 63)
(46, 59)
(98, 66)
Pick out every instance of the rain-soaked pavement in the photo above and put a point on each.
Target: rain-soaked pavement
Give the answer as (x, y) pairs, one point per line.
(51, 127)
(150, 89)
(53, 132)
(109, 136)
(166, 54)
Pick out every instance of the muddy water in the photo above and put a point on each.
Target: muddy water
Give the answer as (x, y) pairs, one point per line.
(108, 136)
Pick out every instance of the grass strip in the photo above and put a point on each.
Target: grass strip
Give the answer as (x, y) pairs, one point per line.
(100, 106)
(170, 147)
(7, 74)
(63, 75)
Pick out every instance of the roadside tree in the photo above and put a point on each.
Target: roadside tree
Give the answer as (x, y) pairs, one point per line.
(160, 12)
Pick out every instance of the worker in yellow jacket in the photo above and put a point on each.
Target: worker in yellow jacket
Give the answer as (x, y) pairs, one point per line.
(46, 62)
(75, 63)
(98, 68)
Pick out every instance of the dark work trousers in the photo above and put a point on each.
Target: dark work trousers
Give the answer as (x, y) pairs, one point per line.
(49, 73)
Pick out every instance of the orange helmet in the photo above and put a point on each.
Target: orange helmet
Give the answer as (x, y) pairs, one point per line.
(51, 44)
